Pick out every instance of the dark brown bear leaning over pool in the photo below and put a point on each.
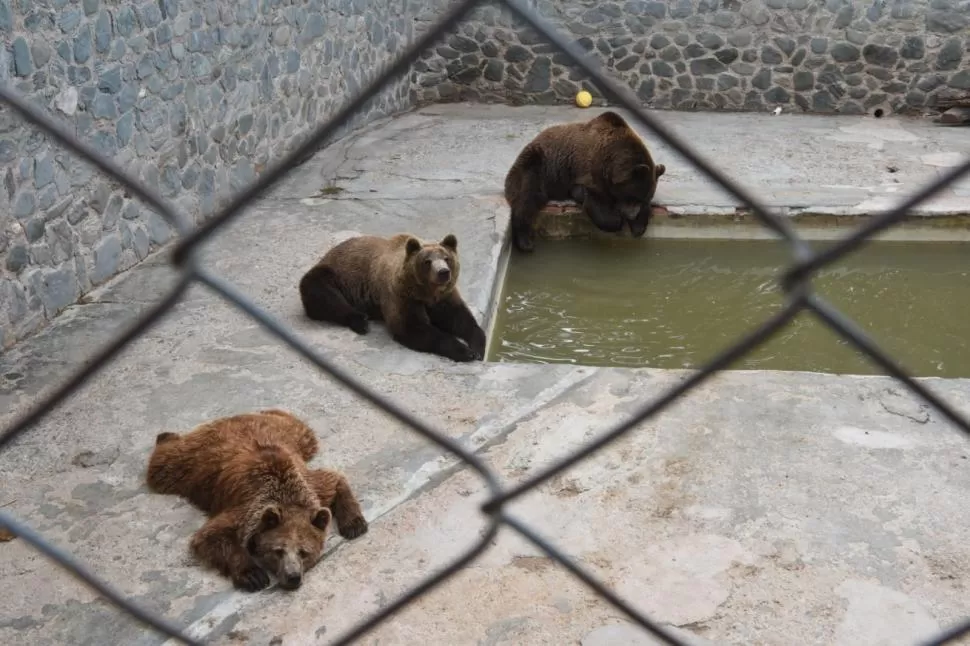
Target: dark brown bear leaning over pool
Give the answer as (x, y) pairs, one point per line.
(601, 164)
(409, 284)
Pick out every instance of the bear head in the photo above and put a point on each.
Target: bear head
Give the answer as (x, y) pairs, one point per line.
(432, 267)
(633, 186)
(288, 541)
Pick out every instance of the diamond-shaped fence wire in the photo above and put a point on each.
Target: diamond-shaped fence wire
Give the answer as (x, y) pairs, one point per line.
(795, 280)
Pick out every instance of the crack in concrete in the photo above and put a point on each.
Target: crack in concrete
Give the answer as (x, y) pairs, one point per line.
(346, 160)
(923, 418)
(360, 172)
(108, 301)
(417, 179)
(351, 146)
(352, 197)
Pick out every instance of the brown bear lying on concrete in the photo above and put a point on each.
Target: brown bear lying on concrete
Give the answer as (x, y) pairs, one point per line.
(601, 164)
(411, 285)
(268, 513)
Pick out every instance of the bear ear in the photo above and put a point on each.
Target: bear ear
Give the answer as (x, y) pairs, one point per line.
(270, 519)
(321, 519)
(450, 241)
(611, 119)
(412, 246)
(161, 438)
(659, 170)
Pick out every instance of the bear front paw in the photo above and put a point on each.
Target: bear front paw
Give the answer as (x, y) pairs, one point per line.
(478, 343)
(251, 579)
(637, 230)
(461, 352)
(524, 241)
(354, 528)
(578, 194)
(358, 323)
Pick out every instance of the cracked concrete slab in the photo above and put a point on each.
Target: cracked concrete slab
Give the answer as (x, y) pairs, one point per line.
(742, 515)
(725, 517)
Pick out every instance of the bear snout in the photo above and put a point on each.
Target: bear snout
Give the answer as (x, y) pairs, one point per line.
(630, 210)
(291, 581)
(440, 271)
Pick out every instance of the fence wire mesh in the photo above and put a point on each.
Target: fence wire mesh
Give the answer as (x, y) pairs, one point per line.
(796, 281)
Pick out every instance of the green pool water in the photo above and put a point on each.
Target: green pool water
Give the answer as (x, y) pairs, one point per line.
(675, 303)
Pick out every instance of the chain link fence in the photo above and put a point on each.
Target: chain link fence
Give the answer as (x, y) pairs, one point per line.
(796, 281)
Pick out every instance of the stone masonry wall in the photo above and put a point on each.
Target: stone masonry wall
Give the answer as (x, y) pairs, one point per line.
(823, 56)
(194, 96)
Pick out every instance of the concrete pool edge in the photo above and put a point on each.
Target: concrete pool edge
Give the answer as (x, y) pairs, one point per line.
(564, 220)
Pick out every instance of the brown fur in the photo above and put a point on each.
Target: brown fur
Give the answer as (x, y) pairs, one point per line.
(268, 513)
(396, 280)
(601, 163)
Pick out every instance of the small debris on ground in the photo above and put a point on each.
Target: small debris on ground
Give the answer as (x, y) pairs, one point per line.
(6, 535)
(331, 190)
(955, 116)
(87, 459)
(956, 110)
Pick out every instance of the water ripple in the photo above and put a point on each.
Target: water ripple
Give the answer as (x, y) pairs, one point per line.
(675, 303)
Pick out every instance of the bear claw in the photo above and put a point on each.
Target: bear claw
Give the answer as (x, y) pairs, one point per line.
(478, 346)
(353, 529)
(359, 324)
(637, 230)
(462, 353)
(524, 242)
(252, 579)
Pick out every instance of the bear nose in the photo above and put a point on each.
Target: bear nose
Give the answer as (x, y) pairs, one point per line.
(443, 274)
(292, 581)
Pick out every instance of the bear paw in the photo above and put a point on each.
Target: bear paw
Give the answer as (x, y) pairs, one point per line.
(358, 323)
(637, 230)
(354, 528)
(525, 242)
(251, 579)
(461, 352)
(578, 194)
(477, 344)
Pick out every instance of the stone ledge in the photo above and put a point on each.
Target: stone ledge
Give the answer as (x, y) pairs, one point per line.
(565, 220)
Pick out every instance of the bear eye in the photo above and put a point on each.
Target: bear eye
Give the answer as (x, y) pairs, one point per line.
(304, 554)
(427, 262)
(278, 552)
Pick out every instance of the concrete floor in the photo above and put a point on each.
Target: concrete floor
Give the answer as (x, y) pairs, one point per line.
(764, 508)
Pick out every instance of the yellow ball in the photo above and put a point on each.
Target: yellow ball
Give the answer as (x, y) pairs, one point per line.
(584, 99)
